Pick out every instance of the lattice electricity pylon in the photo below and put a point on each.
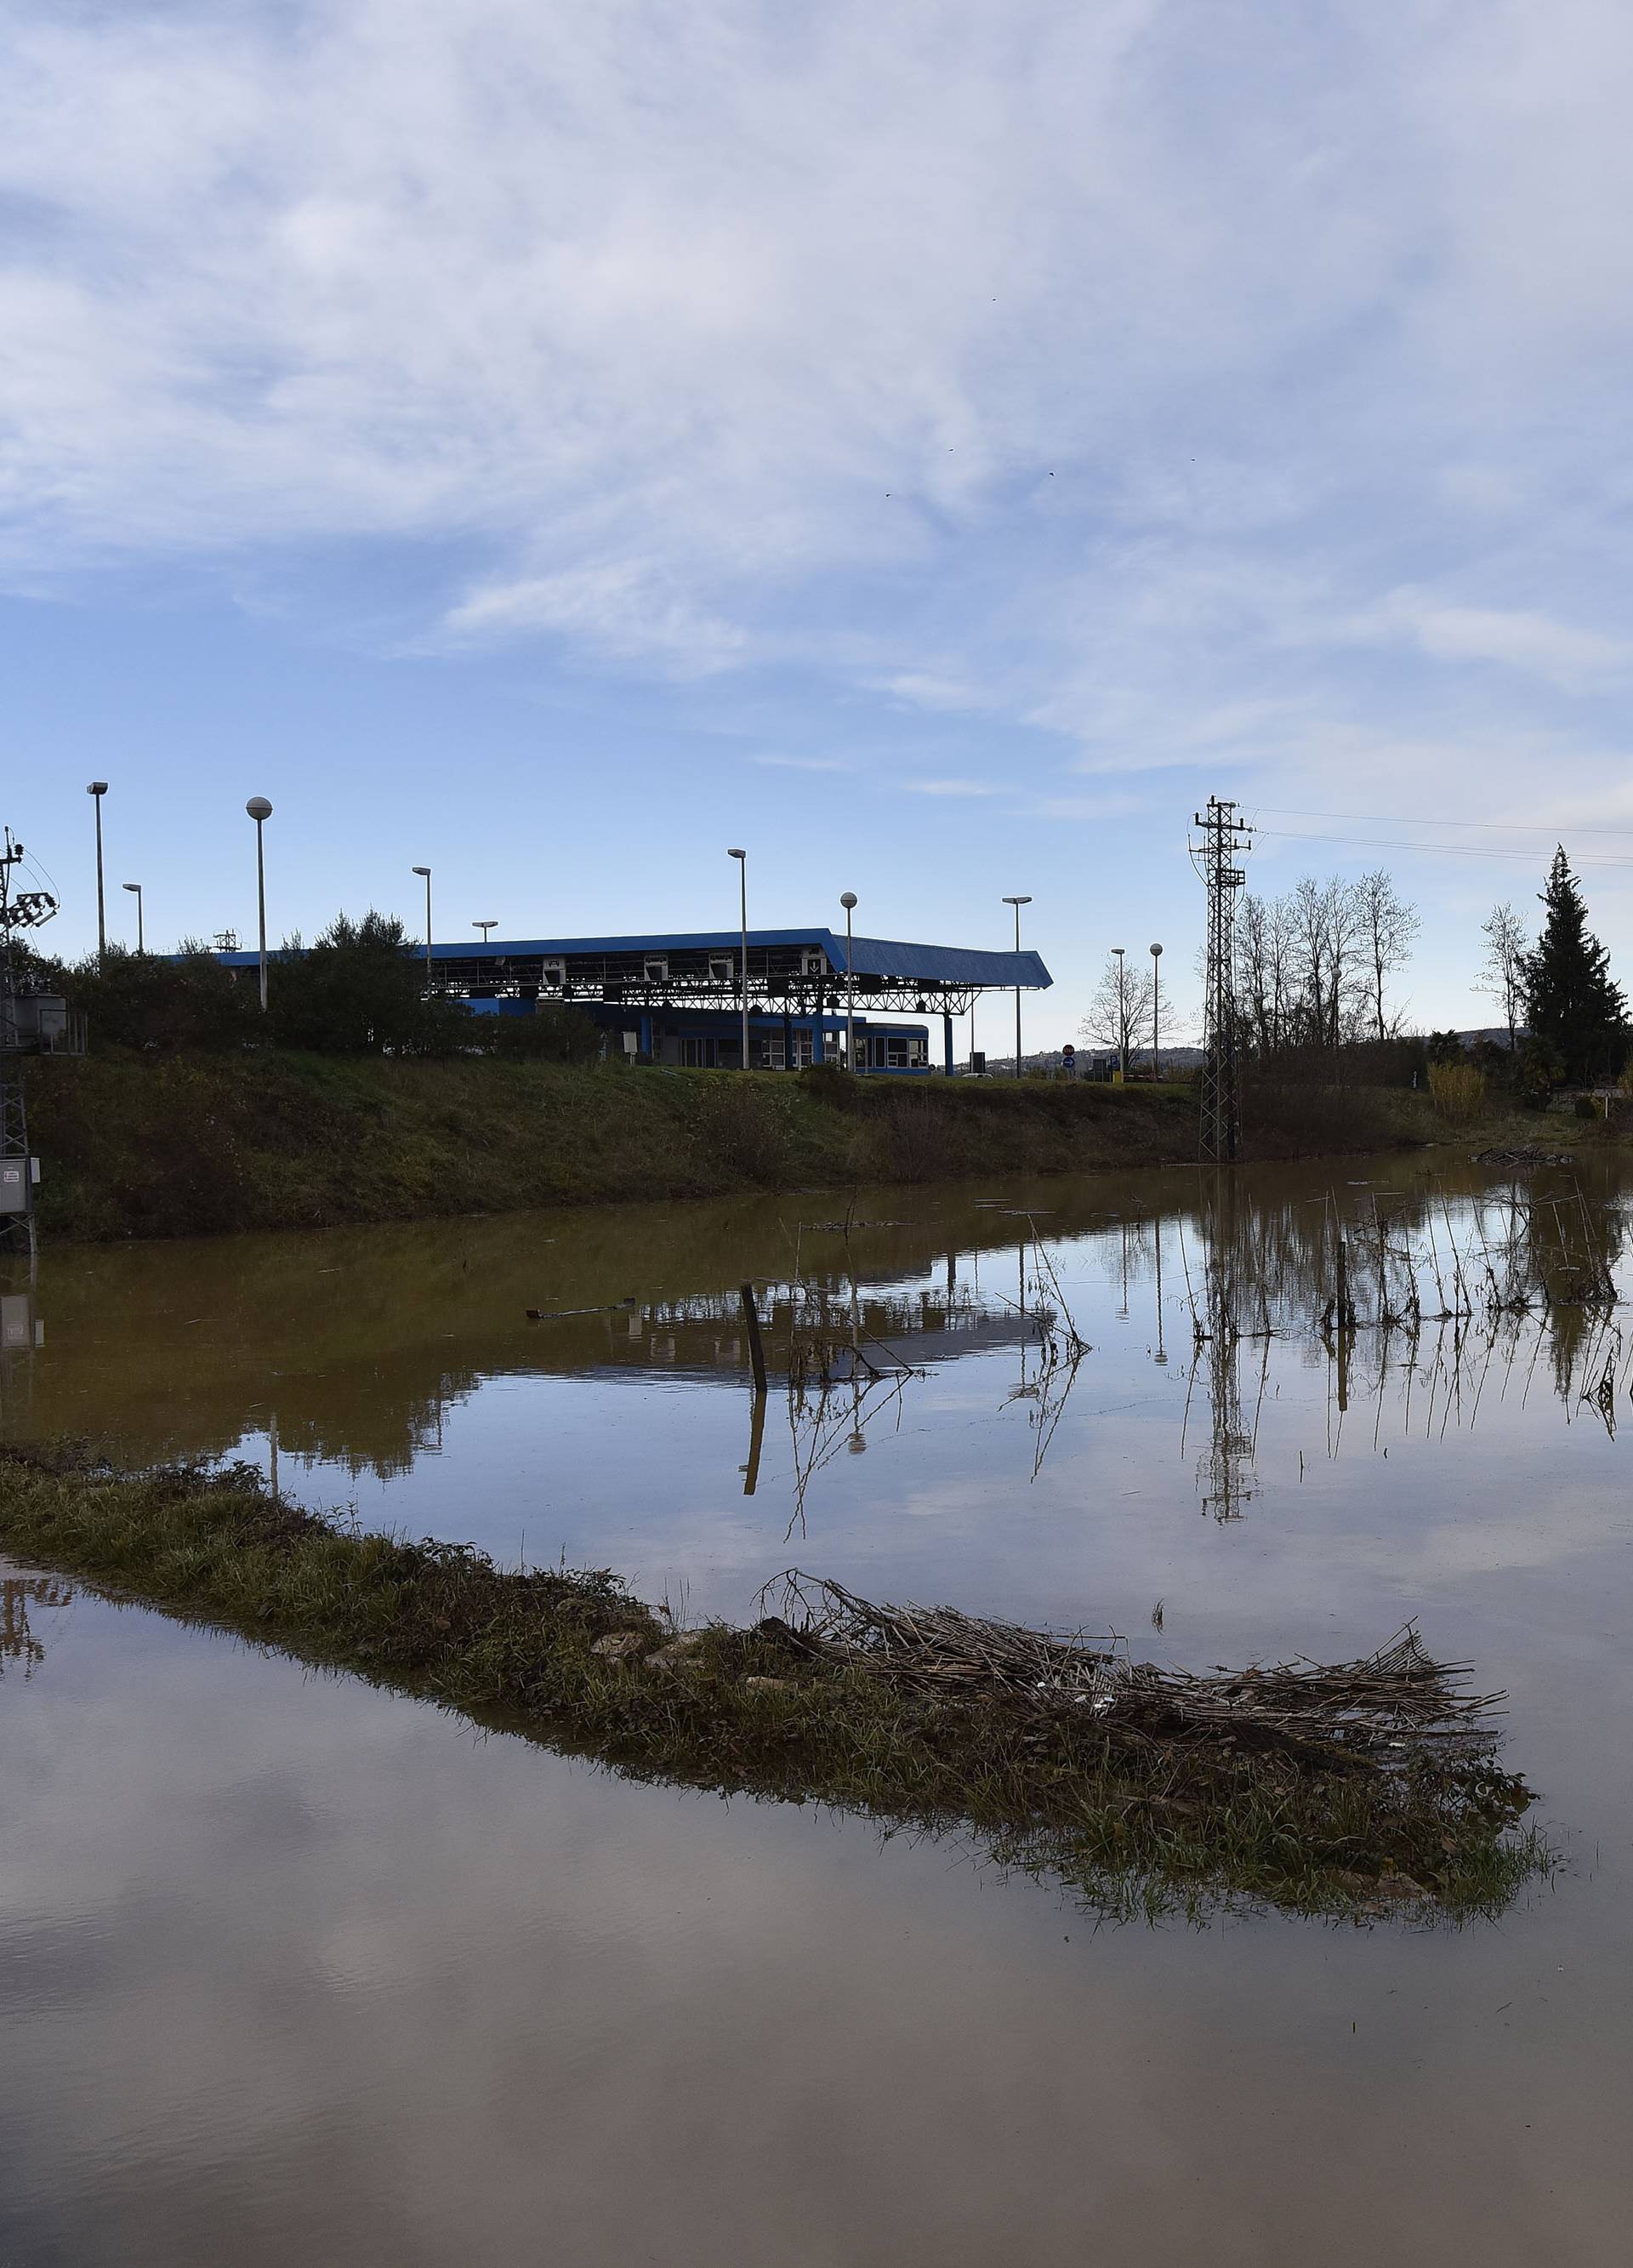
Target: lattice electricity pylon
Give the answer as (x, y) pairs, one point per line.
(19, 911)
(1223, 837)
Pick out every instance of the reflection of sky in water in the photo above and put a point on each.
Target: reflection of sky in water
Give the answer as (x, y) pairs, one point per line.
(290, 1968)
(993, 1474)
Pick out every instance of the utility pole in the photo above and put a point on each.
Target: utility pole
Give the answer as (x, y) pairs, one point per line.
(1155, 1012)
(1223, 838)
(96, 791)
(741, 858)
(19, 911)
(261, 811)
(425, 874)
(1018, 903)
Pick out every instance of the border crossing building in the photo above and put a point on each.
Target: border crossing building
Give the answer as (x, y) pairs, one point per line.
(677, 997)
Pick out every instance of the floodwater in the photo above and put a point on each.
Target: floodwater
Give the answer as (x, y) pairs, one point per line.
(292, 1969)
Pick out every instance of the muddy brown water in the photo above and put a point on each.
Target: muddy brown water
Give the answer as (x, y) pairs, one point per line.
(291, 1969)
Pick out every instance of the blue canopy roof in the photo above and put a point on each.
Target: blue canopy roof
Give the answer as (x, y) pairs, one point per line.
(872, 956)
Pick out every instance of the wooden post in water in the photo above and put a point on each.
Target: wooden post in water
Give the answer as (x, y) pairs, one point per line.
(1346, 1322)
(756, 1353)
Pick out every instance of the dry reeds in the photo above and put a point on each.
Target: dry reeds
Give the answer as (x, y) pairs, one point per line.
(1393, 1709)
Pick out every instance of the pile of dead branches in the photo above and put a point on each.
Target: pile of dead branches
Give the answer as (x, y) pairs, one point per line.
(1394, 1709)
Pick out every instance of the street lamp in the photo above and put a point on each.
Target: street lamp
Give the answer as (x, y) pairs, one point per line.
(1122, 1018)
(427, 873)
(261, 811)
(484, 926)
(1018, 903)
(1156, 1012)
(96, 790)
(741, 858)
(848, 899)
(141, 938)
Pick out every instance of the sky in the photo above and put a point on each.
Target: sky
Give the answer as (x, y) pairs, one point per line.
(934, 447)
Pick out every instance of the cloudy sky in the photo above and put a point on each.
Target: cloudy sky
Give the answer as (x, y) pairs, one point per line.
(931, 445)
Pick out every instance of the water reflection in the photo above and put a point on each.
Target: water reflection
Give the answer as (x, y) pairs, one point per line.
(23, 1597)
(588, 1377)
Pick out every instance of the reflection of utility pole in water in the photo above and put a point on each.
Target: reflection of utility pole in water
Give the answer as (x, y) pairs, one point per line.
(857, 1442)
(1162, 1353)
(1227, 1470)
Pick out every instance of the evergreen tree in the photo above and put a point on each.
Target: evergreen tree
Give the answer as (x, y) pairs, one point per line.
(1576, 1014)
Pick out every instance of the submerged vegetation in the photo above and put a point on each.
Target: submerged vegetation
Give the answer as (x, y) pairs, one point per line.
(1368, 1788)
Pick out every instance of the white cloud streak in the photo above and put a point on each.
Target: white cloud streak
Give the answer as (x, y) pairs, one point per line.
(1194, 385)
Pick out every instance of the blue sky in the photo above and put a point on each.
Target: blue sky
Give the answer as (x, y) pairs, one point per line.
(932, 445)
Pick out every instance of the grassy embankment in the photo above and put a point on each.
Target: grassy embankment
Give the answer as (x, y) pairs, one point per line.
(194, 1144)
(1131, 1821)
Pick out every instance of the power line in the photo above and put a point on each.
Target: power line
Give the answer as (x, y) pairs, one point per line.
(1431, 849)
(1496, 826)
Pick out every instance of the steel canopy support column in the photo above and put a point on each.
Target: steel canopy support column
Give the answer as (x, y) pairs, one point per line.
(946, 1041)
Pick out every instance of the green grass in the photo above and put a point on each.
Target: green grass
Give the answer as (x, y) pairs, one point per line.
(190, 1145)
(1130, 1828)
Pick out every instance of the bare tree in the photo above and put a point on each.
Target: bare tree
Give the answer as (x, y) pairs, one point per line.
(1120, 1009)
(1502, 972)
(1255, 921)
(1311, 957)
(1388, 927)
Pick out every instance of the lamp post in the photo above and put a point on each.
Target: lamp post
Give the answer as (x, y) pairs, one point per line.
(741, 858)
(848, 899)
(1156, 1012)
(141, 938)
(484, 926)
(1122, 1018)
(1018, 903)
(261, 811)
(426, 873)
(96, 790)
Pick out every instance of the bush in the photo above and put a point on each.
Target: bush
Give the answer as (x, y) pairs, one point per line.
(161, 1004)
(1357, 1063)
(745, 1124)
(360, 989)
(833, 1084)
(1586, 1106)
(555, 1034)
(1459, 1090)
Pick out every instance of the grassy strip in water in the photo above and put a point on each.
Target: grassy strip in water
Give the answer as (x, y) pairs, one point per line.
(1184, 1825)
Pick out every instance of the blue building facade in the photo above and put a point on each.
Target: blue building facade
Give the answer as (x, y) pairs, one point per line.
(677, 997)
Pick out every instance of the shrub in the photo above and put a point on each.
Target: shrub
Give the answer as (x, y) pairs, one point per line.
(360, 989)
(831, 1083)
(745, 1124)
(555, 1034)
(1459, 1090)
(163, 1005)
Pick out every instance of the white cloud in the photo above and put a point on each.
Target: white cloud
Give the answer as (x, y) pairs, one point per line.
(1168, 382)
(1563, 653)
(948, 787)
(616, 608)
